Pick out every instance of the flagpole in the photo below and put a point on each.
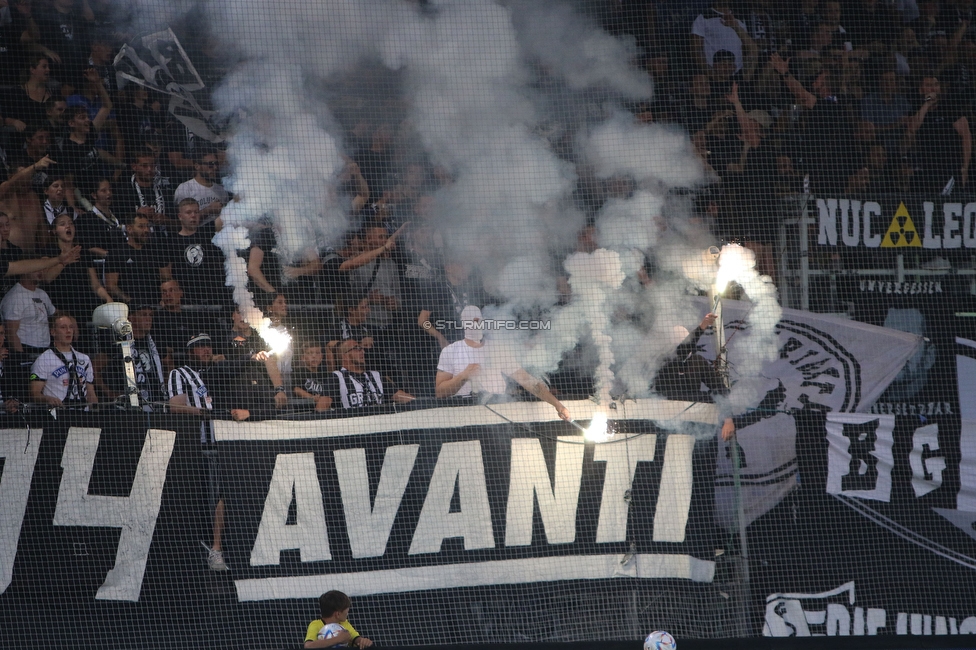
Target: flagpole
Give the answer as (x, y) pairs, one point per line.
(721, 366)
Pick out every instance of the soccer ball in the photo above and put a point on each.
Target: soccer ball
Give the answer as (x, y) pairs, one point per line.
(659, 641)
(330, 630)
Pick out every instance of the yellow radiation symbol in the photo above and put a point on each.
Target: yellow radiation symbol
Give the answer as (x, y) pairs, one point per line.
(901, 232)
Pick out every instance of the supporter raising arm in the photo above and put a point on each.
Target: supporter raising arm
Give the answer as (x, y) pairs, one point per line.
(461, 362)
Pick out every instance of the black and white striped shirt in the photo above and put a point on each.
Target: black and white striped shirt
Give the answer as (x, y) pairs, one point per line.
(358, 390)
(187, 381)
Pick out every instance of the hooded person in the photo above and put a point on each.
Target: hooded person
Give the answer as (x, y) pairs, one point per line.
(460, 363)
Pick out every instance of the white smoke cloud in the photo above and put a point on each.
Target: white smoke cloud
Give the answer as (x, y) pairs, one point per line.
(623, 146)
(574, 49)
(466, 79)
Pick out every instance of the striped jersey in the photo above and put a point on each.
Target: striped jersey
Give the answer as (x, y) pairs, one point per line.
(359, 390)
(187, 381)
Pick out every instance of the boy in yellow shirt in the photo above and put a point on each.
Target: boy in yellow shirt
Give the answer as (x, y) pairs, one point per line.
(334, 607)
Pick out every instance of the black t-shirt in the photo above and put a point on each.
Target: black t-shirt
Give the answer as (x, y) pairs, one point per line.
(240, 384)
(378, 169)
(67, 34)
(71, 291)
(334, 283)
(197, 265)
(131, 196)
(938, 146)
(174, 329)
(19, 106)
(829, 154)
(138, 124)
(95, 232)
(12, 52)
(266, 240)
(316, 381)
(79, 160)
(236, 346)
(344, 331)
(138, 271)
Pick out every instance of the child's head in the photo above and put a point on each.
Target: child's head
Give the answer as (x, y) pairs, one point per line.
(332, 603)
(312, 355)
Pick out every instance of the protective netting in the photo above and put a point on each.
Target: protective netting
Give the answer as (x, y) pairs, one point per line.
(513, 321)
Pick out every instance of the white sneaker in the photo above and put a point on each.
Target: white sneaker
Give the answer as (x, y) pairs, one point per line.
(937, 264)
(215, 559)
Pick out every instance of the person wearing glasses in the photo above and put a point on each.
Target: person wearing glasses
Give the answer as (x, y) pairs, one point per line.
(356, 386)
(204, 186)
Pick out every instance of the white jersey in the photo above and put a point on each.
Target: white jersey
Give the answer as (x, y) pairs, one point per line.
(458, 356)
(66, 375)
(32, 309)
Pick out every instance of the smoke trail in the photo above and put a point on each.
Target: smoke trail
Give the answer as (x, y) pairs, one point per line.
(593, 278)
(738, 264)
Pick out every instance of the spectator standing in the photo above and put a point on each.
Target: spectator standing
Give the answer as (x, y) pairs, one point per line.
(9, 251)
(241, 341)
(189, 394)
(65, 28)
(132, 265)
(337, 266)
(376, 163)
(33, 158)
(718, 29)
(75, 287)
(354, 311)
(80, 160)
(61, 375)
(190, 257)
(57, 200)
(379, 279)
(25, 109)
(268, 272)
(888, 110)
(698, 109)
(9, 395)
(203, 187)
(15, 37)
(139, 117)
(941, 141)
(147, 193)
(828, 130)
(174, 326)
(99, 229)
(26, 309)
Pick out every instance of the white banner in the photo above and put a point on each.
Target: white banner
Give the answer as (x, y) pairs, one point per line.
(831, 362)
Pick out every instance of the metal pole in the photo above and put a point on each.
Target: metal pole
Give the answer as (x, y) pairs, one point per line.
(804, 260)
(744, 591)
(131, 386)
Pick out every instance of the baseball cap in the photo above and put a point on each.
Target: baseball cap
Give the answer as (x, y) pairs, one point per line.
(198, 339)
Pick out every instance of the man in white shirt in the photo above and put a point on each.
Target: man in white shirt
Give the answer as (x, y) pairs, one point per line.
(204, 187)
(62, 376)
(26, 310)
(460, 363)
(718, 29)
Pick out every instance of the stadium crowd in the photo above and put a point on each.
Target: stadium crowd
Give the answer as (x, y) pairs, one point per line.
(106, 196)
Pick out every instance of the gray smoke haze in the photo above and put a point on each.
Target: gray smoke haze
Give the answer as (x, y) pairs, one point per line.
(512, 100)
